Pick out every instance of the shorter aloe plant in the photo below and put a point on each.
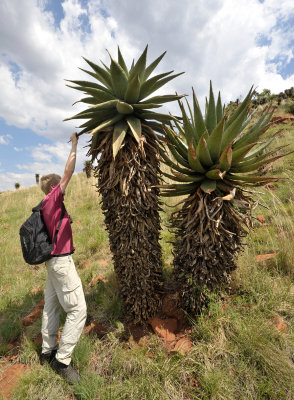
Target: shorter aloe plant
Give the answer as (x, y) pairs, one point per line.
(213, 158)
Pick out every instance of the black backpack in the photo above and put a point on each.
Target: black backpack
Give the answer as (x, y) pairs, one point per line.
(34, 238)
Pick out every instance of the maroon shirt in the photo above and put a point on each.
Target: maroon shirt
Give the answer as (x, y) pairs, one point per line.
(51, 210)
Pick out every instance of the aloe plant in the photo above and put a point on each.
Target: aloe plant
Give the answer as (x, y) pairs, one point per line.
(122, 124)
(213, 159)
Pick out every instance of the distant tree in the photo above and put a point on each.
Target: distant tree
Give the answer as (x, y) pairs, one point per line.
(88, 168)
(17, 185)
(37, 179)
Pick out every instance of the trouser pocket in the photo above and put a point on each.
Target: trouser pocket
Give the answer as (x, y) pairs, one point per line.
(63, 273)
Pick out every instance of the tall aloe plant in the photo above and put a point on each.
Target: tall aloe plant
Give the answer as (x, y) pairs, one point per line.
(213, 158)
(122, 124)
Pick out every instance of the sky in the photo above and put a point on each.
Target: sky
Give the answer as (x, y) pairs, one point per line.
(233, 43)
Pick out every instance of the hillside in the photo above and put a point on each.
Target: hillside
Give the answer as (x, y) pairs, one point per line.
(241, 347)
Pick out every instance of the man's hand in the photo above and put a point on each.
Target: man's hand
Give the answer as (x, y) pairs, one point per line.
(71, 162)
(74, 138)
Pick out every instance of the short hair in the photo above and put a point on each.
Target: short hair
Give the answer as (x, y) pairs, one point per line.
(48, 180)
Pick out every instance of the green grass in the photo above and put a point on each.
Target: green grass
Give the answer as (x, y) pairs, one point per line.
(238, 352)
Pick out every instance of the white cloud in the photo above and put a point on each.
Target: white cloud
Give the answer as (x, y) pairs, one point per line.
(215, 39)
(209, 39)
(46, 159)
(4, 139)
(17, 149)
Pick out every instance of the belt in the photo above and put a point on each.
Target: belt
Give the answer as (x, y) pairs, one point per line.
(62, 255)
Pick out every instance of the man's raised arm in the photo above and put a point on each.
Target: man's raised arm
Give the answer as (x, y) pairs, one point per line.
(70, 164)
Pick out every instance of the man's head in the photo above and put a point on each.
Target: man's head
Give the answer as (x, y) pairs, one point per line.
(48, 182)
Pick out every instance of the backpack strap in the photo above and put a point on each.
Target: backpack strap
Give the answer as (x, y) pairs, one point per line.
(59, 225)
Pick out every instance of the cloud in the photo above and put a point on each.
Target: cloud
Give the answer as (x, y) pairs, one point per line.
(215, 39)
(5, 139)
(46, 159)
(235, 44)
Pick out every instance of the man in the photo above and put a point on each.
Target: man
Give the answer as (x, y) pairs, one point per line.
(63, 286)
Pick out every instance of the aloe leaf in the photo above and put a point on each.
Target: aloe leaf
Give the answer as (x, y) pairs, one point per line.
(259, 150)
(254, 166)
(162, 99)
(203, 153)
(208, 186)
(135, 126)
(154, 125)
(194, 162)
(140, 66)
(219, 109)
(254, 159)
(102, 74)
(133, 90)
(163, 81)
(251, 178)
(181, 148)
(175, 193)
(225, 160)
(214, 174)
(121, 61)
(181, 160)
(87, 100)
(119, 79)
(119, 133)
(124, 108)
(146, 87)
(184, 178)
(156, 116)
(251, 137)
(97, 93)
(171, 164)
(210, 120)
(239, 154)
(234, 130)
(107, 123)
(198, 118)
(215, 139)
(190, 133)
(89, 84)
(146, 106)
(152, 66)
(240, 108)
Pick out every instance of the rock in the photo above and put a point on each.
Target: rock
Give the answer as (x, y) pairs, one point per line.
(283, 119)
(103, 262)
(279, 324)
(261, 218)
(96, 280)
(35, 291)
(10, 379)
(265, 257)
(97, 328)
(38, 339)
(34, 315)
(183, 346)
(85, 264)
(164, 328)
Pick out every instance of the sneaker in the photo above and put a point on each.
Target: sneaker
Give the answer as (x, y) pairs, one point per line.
(47, 357)
(66, 371)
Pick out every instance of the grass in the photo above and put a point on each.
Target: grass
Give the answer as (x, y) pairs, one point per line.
(239, 351)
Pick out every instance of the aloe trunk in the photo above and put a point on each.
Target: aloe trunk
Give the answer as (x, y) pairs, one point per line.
(131, 208)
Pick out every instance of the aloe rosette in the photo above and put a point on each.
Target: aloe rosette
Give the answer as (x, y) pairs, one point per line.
(122, 119)
(213, 159)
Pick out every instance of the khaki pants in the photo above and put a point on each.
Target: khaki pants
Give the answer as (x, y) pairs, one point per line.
(63, 289)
